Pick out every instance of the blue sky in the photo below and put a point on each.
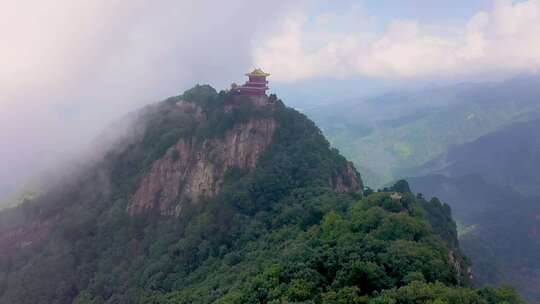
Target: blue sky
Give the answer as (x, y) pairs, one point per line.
(423, 10)
(428, 11)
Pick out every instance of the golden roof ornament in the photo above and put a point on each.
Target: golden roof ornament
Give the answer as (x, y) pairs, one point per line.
(258, 73)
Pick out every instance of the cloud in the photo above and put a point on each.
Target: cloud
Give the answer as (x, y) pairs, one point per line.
(69, 68)
(503, 40)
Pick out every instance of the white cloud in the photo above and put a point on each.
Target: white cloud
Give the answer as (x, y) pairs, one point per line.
(505, 39)
(68, 68)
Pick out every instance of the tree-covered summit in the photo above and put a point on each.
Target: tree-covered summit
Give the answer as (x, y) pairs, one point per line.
(295, 228)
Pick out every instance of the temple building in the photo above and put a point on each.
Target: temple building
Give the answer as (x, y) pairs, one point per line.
(256, 84)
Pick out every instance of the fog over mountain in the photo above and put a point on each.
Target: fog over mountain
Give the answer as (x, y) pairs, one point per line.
(70, 68)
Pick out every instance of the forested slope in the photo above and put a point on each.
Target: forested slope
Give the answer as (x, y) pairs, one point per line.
(191, 206)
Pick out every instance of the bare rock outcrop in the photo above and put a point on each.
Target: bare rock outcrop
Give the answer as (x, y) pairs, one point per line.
(347, 181)
(191, 169)
(27, 236)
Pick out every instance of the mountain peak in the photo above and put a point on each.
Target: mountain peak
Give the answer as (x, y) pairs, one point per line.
(180, 153)
(230, 132)
(220, 197)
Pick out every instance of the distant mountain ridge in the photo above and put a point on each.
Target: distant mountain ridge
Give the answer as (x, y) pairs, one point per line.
(493, 187)
(499, 228)
(510, 156)
(387, 135)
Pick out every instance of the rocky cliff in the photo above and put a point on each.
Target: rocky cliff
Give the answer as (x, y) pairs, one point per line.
(25, 237)
(195, 168)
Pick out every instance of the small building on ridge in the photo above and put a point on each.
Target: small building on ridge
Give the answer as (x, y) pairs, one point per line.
(257, 85)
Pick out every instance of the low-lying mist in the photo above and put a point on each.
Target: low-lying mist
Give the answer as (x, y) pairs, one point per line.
(70, 70)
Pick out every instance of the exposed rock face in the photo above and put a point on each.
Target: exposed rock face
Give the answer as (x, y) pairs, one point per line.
(347, 181)
(27, 236)
(191, 170)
